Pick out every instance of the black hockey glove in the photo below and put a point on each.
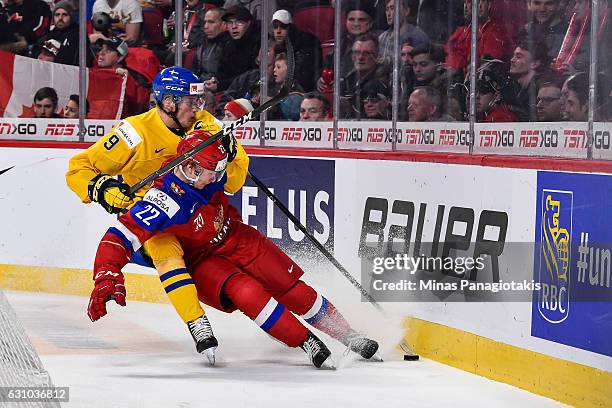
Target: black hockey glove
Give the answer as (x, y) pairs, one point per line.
(110, 193)
(231, 146)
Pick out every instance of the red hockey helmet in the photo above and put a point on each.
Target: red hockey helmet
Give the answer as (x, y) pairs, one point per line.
(213, 157)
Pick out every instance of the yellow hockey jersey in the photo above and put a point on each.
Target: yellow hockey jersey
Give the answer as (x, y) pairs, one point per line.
(136, 147)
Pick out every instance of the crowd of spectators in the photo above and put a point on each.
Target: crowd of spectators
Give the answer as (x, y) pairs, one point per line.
(533, 56)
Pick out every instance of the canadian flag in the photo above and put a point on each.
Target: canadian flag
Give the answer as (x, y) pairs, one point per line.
(21, 77)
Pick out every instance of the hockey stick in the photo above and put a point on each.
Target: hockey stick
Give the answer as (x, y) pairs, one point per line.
(275, 100)
(408, 353)
(315, 241)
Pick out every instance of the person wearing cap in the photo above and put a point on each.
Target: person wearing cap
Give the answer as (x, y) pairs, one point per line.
(49, 51)
(306, 49)
(236, 109)
(126, 19)
(376, 99)
(490, 104)
(255, 7)
(241, 51)
(112, 54)
(64, 31)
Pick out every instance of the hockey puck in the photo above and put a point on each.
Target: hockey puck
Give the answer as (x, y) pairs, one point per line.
(411, 357)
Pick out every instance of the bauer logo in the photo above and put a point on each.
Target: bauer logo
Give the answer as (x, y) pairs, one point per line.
(553, 266)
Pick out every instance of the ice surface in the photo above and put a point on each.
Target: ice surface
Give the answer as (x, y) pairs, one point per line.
(142, 356)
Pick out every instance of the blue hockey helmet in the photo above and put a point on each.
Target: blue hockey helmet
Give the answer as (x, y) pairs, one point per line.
(176, 81)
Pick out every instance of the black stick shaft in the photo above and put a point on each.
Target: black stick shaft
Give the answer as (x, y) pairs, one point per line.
(315, 241)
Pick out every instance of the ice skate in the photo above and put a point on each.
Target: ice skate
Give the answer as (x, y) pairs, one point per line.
(317, 351)
(363, 346)
(206, 342)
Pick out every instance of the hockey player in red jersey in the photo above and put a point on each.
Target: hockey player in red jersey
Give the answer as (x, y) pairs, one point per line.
(232, 265)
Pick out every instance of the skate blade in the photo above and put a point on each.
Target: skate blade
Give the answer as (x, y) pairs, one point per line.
(210, 355)
(328, 364)
(376, 358)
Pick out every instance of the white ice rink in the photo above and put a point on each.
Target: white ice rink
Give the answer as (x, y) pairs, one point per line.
(142, 356)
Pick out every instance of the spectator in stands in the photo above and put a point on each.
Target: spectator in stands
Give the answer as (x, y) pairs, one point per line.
(45, 103)
(236, 109)
(376, 99)
(247, 85)
(492, 38)
(49, 50)
(26, 21)
(71, 111)
(548, 102)
(406, 79)
(314, 107)
(548, 25)
(126, 19)
(575, 98)
(425, 105)
(365, 69)
(208, 54)
(439, 18)
(528, 63)
(306, 49)
(241, 51)
(65, 32)
(196, 31)
(359, 21)
(112, 54)
(490, 105)
(408, 32)
(427, 66)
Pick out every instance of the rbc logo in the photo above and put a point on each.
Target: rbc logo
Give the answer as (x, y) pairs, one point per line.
(554, 255)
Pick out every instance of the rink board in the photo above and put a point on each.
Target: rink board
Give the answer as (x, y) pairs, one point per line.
(49, 238)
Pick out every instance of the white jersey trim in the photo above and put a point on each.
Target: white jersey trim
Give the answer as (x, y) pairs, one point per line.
(315, 308)
(266, 312)
(129, 235)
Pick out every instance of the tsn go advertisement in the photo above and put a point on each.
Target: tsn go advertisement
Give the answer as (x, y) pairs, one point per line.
(561, 139)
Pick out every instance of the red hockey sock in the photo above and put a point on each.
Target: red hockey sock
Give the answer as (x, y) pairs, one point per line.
(316, 310)
(252, 299)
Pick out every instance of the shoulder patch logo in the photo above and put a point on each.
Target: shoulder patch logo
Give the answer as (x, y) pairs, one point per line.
(126, 131)
(176, 189)
(163, 201)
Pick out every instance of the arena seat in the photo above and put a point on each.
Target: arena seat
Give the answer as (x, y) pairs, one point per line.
(317, 20)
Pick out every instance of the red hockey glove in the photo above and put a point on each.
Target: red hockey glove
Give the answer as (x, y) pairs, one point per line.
(108, 285)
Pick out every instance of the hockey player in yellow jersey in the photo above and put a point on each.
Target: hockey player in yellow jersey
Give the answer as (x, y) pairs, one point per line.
(135, 148)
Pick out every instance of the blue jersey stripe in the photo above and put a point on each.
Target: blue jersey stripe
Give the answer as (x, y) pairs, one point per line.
(274, 316)
(320, 314)
(178, 284)
(172, 274)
